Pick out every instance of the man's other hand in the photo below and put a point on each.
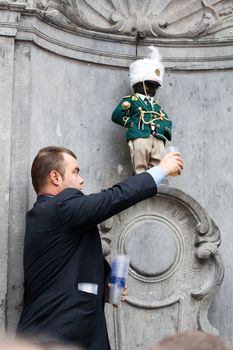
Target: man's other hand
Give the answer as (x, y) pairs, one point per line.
(107, 292)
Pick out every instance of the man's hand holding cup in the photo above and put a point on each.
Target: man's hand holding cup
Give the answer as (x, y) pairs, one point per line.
(172, 163)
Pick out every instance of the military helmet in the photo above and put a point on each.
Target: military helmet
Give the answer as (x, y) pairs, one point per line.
(149, 68)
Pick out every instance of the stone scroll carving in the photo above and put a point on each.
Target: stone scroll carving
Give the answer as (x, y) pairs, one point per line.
(175, 267)
(171, 19)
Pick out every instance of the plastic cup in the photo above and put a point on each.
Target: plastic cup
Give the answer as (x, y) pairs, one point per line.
(120, 267)
(173, 149)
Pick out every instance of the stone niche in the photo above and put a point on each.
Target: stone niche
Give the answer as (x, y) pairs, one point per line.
(175, 268)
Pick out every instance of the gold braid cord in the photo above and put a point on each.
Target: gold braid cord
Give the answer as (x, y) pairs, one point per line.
(125, 119)
(157, 116)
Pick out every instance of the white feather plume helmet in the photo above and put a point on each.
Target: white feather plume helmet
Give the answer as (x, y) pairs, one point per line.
(149, 68)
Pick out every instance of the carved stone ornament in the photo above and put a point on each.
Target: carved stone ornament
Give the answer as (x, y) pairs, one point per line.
(13, 4)
(175, 267)
(170, 18)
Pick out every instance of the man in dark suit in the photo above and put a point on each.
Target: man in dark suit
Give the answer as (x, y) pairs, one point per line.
(65, 273)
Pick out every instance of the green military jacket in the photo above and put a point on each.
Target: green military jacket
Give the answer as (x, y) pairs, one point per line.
(141, 120)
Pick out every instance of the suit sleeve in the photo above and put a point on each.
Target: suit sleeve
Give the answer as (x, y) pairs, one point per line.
(107, 272)
(76, 209)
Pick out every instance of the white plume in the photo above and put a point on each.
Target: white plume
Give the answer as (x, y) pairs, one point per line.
(154, 54)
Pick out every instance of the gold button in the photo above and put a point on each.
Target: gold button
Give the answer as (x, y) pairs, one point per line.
(157, 126)
(126, 105)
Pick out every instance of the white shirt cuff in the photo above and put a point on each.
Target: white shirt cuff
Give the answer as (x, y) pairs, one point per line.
(157, 173)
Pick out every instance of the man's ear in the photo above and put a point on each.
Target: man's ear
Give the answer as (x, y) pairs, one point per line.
(55, 177)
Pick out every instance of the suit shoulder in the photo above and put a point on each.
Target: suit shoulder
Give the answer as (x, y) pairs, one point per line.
(68, 193)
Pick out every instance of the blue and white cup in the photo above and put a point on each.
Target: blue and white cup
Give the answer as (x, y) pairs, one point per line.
(120, 267)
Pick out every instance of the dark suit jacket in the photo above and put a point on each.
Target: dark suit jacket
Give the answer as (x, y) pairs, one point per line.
(63, 248)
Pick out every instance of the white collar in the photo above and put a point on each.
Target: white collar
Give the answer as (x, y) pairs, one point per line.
(144, 97)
